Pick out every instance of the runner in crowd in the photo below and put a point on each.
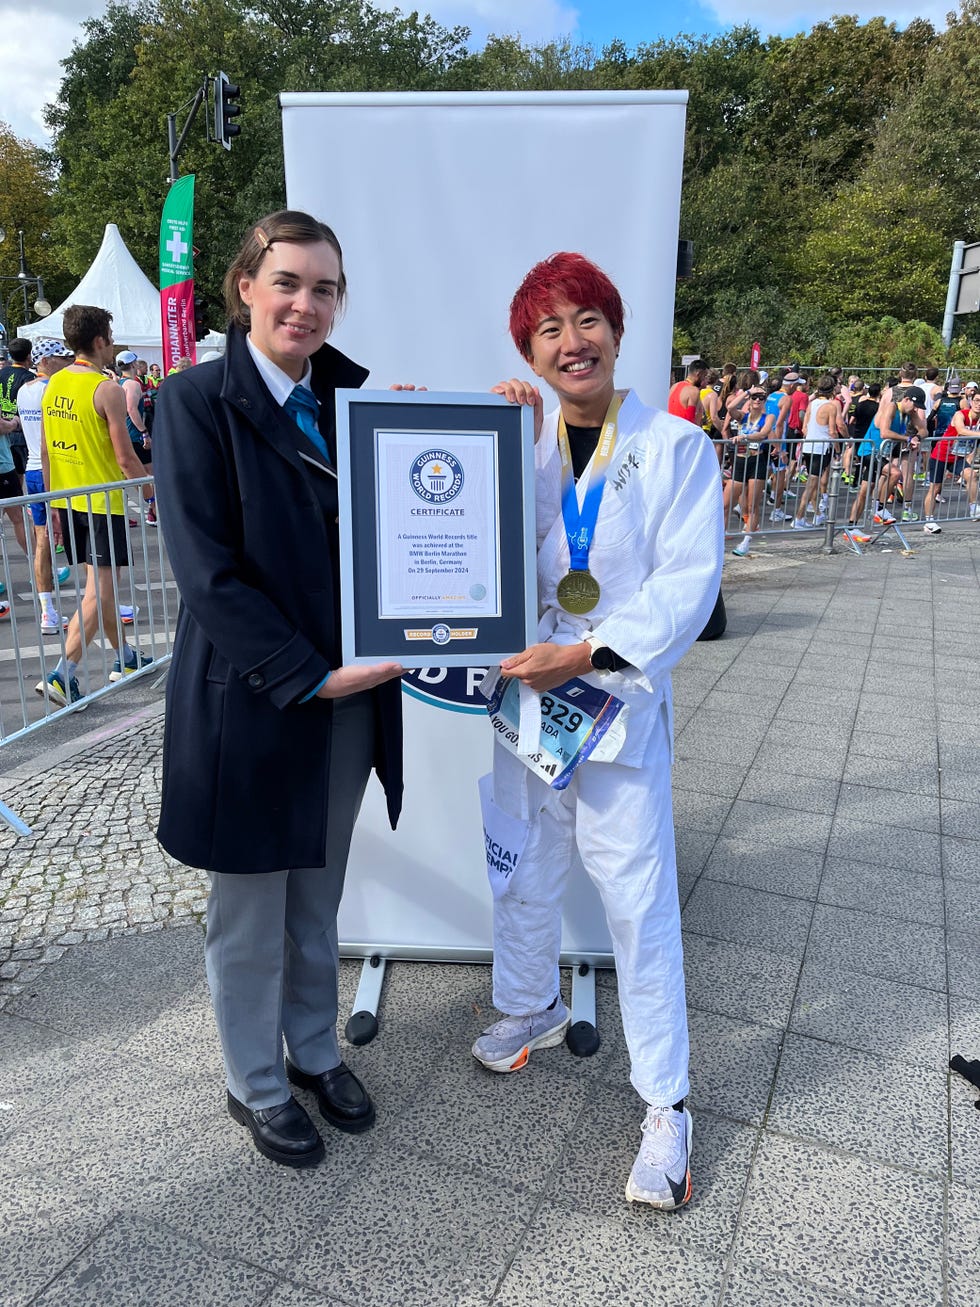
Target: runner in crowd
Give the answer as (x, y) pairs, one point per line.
(136, 423)
(684, 399)
(47, 358)
(750, 461)
(86, 444)
(778, 405)
(824, 430)
(965, 426)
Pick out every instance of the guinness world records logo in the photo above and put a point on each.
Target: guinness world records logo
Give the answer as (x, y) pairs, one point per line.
(437, 476)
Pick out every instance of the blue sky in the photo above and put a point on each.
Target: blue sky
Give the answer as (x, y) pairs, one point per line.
(39, 33)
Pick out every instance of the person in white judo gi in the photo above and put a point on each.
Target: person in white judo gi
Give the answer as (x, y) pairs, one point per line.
(630, 547)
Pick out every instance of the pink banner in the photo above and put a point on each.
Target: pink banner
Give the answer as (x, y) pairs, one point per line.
(177, 315)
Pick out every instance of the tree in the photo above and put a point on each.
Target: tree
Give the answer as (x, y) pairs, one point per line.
(26, 187)
(886, 342)
(877, 249)
(112, 148)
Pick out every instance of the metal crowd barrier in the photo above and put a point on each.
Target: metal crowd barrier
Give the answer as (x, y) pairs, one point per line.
(144, 607)
(782, 488)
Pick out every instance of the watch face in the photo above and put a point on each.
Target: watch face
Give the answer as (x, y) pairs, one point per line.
(602, 659)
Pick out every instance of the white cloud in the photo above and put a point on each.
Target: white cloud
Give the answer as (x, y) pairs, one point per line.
(534, 20)
(36, 39)
(771, 16)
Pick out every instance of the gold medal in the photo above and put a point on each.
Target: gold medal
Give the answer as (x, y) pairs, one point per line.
(578, 592)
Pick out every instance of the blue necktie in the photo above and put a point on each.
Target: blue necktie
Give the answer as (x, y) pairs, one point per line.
(304, 408)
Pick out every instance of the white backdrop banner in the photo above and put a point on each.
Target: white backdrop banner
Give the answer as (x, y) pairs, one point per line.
(442, 202)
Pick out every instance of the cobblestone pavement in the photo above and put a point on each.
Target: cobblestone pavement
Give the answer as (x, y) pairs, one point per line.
(93, 867)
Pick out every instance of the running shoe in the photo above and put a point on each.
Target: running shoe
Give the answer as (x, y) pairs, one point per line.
(859, 537)
(63, 574)
(52, 623)
(4, 609)
(661, 1174)
(128, 615)
(134, 661)
(931, 527)
(820, 519)
(777, 515)
(801, 524)
(54, 688)
(3, 588)
(742, 550)
(885, 518)
(151, 518)
(909, 516)
(507, 1045)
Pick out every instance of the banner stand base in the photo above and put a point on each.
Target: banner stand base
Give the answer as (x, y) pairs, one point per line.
(362, 1026)
(583, 1037)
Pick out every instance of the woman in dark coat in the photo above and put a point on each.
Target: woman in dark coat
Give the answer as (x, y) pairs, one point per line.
(269, 741)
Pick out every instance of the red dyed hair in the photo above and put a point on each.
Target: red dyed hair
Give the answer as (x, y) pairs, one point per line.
(562, 277)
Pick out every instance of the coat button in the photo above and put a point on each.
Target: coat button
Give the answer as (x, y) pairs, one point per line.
(256, 681)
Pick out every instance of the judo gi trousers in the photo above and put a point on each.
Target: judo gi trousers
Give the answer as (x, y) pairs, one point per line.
(271, 949)
(620, 821)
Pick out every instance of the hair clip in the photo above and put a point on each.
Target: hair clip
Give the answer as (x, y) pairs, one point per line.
(262, 238)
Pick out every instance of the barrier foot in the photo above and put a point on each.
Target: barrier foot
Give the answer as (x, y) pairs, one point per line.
(583, 1037)
(898, 531)
(362, 1025)
(13, 821)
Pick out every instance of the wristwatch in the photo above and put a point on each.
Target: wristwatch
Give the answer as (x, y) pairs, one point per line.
(603, 659)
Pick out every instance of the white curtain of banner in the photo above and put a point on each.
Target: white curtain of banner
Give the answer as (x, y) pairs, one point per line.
(442, 203)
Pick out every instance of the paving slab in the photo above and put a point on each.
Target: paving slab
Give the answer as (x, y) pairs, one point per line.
(843, 1223)
(873, 1013)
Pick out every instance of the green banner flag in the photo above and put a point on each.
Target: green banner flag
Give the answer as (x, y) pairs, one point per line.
(177, 274)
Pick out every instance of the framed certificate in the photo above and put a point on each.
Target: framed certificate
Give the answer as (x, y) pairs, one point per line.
(437, 537)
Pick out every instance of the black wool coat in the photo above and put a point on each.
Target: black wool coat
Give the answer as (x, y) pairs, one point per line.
(250, 527)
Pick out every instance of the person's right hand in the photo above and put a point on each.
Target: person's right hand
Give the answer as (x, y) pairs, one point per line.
(353, 679)
(517, 391)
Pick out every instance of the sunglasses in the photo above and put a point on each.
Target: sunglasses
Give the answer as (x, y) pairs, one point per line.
(757, 394)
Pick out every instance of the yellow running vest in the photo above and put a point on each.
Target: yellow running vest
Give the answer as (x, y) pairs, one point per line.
(80, 452)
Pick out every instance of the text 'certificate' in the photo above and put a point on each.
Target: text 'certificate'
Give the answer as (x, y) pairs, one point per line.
(439, 544)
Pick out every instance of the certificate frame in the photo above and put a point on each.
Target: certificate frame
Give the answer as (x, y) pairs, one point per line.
(383, 438)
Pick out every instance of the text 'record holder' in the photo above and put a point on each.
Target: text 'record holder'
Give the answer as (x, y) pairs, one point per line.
(437, 534)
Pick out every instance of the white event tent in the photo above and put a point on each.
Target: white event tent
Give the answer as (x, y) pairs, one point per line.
(116, 282)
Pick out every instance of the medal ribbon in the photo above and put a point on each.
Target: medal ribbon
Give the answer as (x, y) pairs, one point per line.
(580, 523)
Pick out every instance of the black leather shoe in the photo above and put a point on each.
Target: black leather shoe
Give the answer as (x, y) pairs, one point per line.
(342, 1099)
(283, 1133)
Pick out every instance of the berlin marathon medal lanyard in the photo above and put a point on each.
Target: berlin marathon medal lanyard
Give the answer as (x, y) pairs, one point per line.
(578, 591)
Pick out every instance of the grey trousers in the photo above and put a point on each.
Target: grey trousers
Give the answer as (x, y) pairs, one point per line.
(271, 948)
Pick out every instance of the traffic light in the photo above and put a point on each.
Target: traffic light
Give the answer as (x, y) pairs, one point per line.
(226, 109)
